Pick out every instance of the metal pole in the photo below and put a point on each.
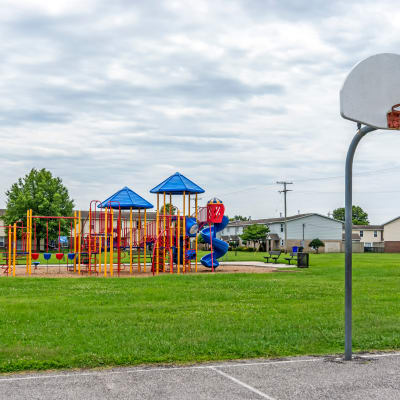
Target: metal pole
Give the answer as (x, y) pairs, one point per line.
(361, 132)
(284, 196)
(284, 191)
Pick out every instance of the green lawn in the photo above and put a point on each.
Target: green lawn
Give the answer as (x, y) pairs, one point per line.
(89, 322)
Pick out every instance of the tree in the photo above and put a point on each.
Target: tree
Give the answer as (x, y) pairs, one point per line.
(169, 209)
(359, 216)
(316, 244)
(239, 218)
(255, 233)
(45, 195)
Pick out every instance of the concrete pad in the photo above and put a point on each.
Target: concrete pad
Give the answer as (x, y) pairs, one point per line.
(257, 264)
(375, 376)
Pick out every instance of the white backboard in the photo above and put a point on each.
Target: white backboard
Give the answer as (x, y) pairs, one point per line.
(371, 89)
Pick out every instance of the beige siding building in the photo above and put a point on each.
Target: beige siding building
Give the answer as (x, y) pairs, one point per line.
(371, 236)
(385, 237)
(391, 235)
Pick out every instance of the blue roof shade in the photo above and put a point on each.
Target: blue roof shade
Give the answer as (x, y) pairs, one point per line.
(177, 184)
(125, 199)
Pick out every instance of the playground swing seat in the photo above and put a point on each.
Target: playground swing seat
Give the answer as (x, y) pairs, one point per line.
(47, 257)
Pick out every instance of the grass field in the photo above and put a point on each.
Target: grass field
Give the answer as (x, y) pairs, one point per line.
(89, 322)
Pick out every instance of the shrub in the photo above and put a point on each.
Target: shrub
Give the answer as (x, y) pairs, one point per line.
(316, 244)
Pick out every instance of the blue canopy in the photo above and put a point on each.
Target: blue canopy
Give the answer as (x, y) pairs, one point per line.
(125, 199)
(177, 184)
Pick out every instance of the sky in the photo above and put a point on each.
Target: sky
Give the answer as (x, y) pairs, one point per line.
(236, 95)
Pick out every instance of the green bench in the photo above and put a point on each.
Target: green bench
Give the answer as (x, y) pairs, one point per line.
(273, 255)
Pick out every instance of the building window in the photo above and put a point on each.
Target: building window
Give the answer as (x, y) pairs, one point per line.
(367, 244)
(2, 241)
(281, 227)
(375, 233)
(361, 233)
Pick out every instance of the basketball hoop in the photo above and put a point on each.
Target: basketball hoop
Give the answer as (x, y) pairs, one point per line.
(393, 117)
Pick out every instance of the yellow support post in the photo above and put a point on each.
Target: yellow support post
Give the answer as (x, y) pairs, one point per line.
(90, 244)
(184, 233)
(27, 241)
(9, 248)
(14, 248)
(79, 242)
(30, 242)
(75, 242)
(112, 244)
(106, 242)
(145, 241)
(195, 204)
(164, 226)
(189, 215)
(178, 234)
(157, 244)
(170, 232)
(138, 232)
(130, 241)
(99, 254)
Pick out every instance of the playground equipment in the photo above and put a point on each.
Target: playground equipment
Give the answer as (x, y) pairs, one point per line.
(176, 234)
(133, 236)
(116, 235)
(216, 223)
(16, 250)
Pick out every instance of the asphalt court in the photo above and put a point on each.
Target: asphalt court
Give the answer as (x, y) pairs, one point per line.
(368, 376)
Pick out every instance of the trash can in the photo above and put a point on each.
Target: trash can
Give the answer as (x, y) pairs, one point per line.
(303, 260)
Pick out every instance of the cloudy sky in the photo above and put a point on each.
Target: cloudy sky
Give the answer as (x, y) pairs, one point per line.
(233, 94)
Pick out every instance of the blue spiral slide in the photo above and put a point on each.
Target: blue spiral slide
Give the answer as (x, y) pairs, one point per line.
(219, 246)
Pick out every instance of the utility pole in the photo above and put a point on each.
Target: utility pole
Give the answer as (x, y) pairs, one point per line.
(284, 191)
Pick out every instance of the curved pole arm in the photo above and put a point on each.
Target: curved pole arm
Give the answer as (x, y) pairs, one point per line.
(361, 132)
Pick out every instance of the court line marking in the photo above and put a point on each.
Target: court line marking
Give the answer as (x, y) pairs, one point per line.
(154, 369)
(243, 384)
(162, 369)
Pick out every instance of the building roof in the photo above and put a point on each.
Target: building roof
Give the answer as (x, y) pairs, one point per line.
(366, 227)
(354, 236)
(392, 220)
(278, 220)
(177, 184)
(125, 199)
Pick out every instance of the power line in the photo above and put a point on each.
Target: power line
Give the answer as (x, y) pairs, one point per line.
(367, 173)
